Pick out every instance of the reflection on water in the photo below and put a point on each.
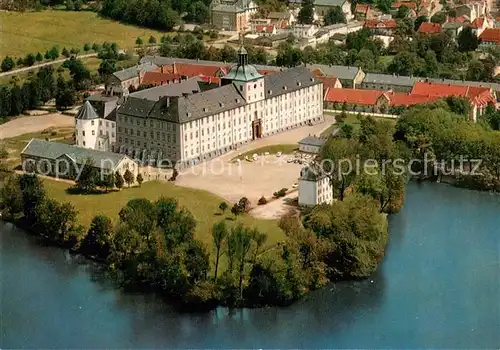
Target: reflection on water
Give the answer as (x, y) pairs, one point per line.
(439, 286)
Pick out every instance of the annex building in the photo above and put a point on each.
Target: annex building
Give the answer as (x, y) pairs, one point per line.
(198, 125)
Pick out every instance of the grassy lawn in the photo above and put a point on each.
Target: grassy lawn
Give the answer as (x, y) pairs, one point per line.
(202, 204)
(285, 148)
(16, 144)
(33, 32)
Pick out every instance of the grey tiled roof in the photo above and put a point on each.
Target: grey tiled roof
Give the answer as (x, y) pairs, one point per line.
(312, 141)
(103, 98)
(401, 80)
(340, 72)
(132, 72)
(494, 86)
(275, 83)
(331, 3)
(136, 107)
(86, 112)
(189, 86)
(54, 150)
(192, 107)
(227, 8)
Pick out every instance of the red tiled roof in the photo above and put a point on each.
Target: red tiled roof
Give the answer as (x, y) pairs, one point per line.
(490, 35)
(158, 78)
(210, 80)
(410, 5)
(476, 94)
(384, 24)
(191, 70)
(265, 29)
(478, 23)
(404, 99)
(429, 28)
(353, 96)
(329, 82)
(318, 72)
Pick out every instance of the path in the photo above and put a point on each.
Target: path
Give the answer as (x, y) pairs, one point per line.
(25, 125)
(36, 66)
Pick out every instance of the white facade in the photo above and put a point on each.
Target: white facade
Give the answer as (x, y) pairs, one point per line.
(304, 31)
(98, 134)
(314, 190)
(217, 134)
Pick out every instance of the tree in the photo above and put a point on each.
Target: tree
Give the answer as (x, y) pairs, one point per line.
(78, 72)
(58, 222)
(236, 210)
(54, 53)
(139, 214)
(86, 47)
(29, 60)
(89, 177)
(152, 40)
(128, 177)
(241, 238)
(65, 96)
(439, 17)
(139, 179)
(418, 21)
(339, 157)
(139, 41)
(259, 240)
(99, 237)
(405, 63)
(199, 12)
(306, 13)
(107, 180)
(119, 180)
(106, 67)
(223, 206)
(33, 194)
(8, 64)
(334, 16)
(467, 40)
(403, 11)
(65, 52)
(11, 198)
(219, 234)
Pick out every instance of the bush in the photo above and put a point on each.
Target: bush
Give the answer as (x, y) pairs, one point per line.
(280, 193)
(262, 201)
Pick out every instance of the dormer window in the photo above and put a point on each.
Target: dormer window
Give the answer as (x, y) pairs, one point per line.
(188, 114)
(237, 100)
(312, 79)
(269, 92)
(299, 83)
(205, 109)
(284, 87)
(221, 104)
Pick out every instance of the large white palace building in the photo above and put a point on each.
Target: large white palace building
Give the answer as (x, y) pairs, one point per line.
(192, 126)
(183, 124)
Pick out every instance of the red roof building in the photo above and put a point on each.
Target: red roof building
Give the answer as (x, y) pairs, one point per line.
(353, 96)
(266, 29)
(410, 5)
(460, 19)
(381, 23)
(478, 23)
(158, 78)
(330, 82)
(490, 36)
(429, 28)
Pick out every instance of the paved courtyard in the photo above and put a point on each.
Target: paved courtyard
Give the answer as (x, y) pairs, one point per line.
(252, 180)
(26, 125)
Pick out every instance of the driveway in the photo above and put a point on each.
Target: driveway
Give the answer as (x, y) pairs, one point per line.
(25, 125)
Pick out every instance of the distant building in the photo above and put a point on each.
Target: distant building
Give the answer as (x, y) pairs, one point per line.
(120, 81)
(375, 81)
(314, 187)
(350, 77)
(429, 28)
(381, 27)
(232, 15)
(95, 123)
(311, 144)
(65, 161)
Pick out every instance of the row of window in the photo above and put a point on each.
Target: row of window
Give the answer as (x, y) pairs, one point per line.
(93, 133)
(100, 123)
(152, 123)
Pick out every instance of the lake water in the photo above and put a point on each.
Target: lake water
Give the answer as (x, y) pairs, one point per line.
(439, 287)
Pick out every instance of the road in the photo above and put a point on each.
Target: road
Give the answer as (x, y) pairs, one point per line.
(36, 66)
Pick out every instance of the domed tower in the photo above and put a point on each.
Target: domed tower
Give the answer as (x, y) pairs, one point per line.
(246, 78)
